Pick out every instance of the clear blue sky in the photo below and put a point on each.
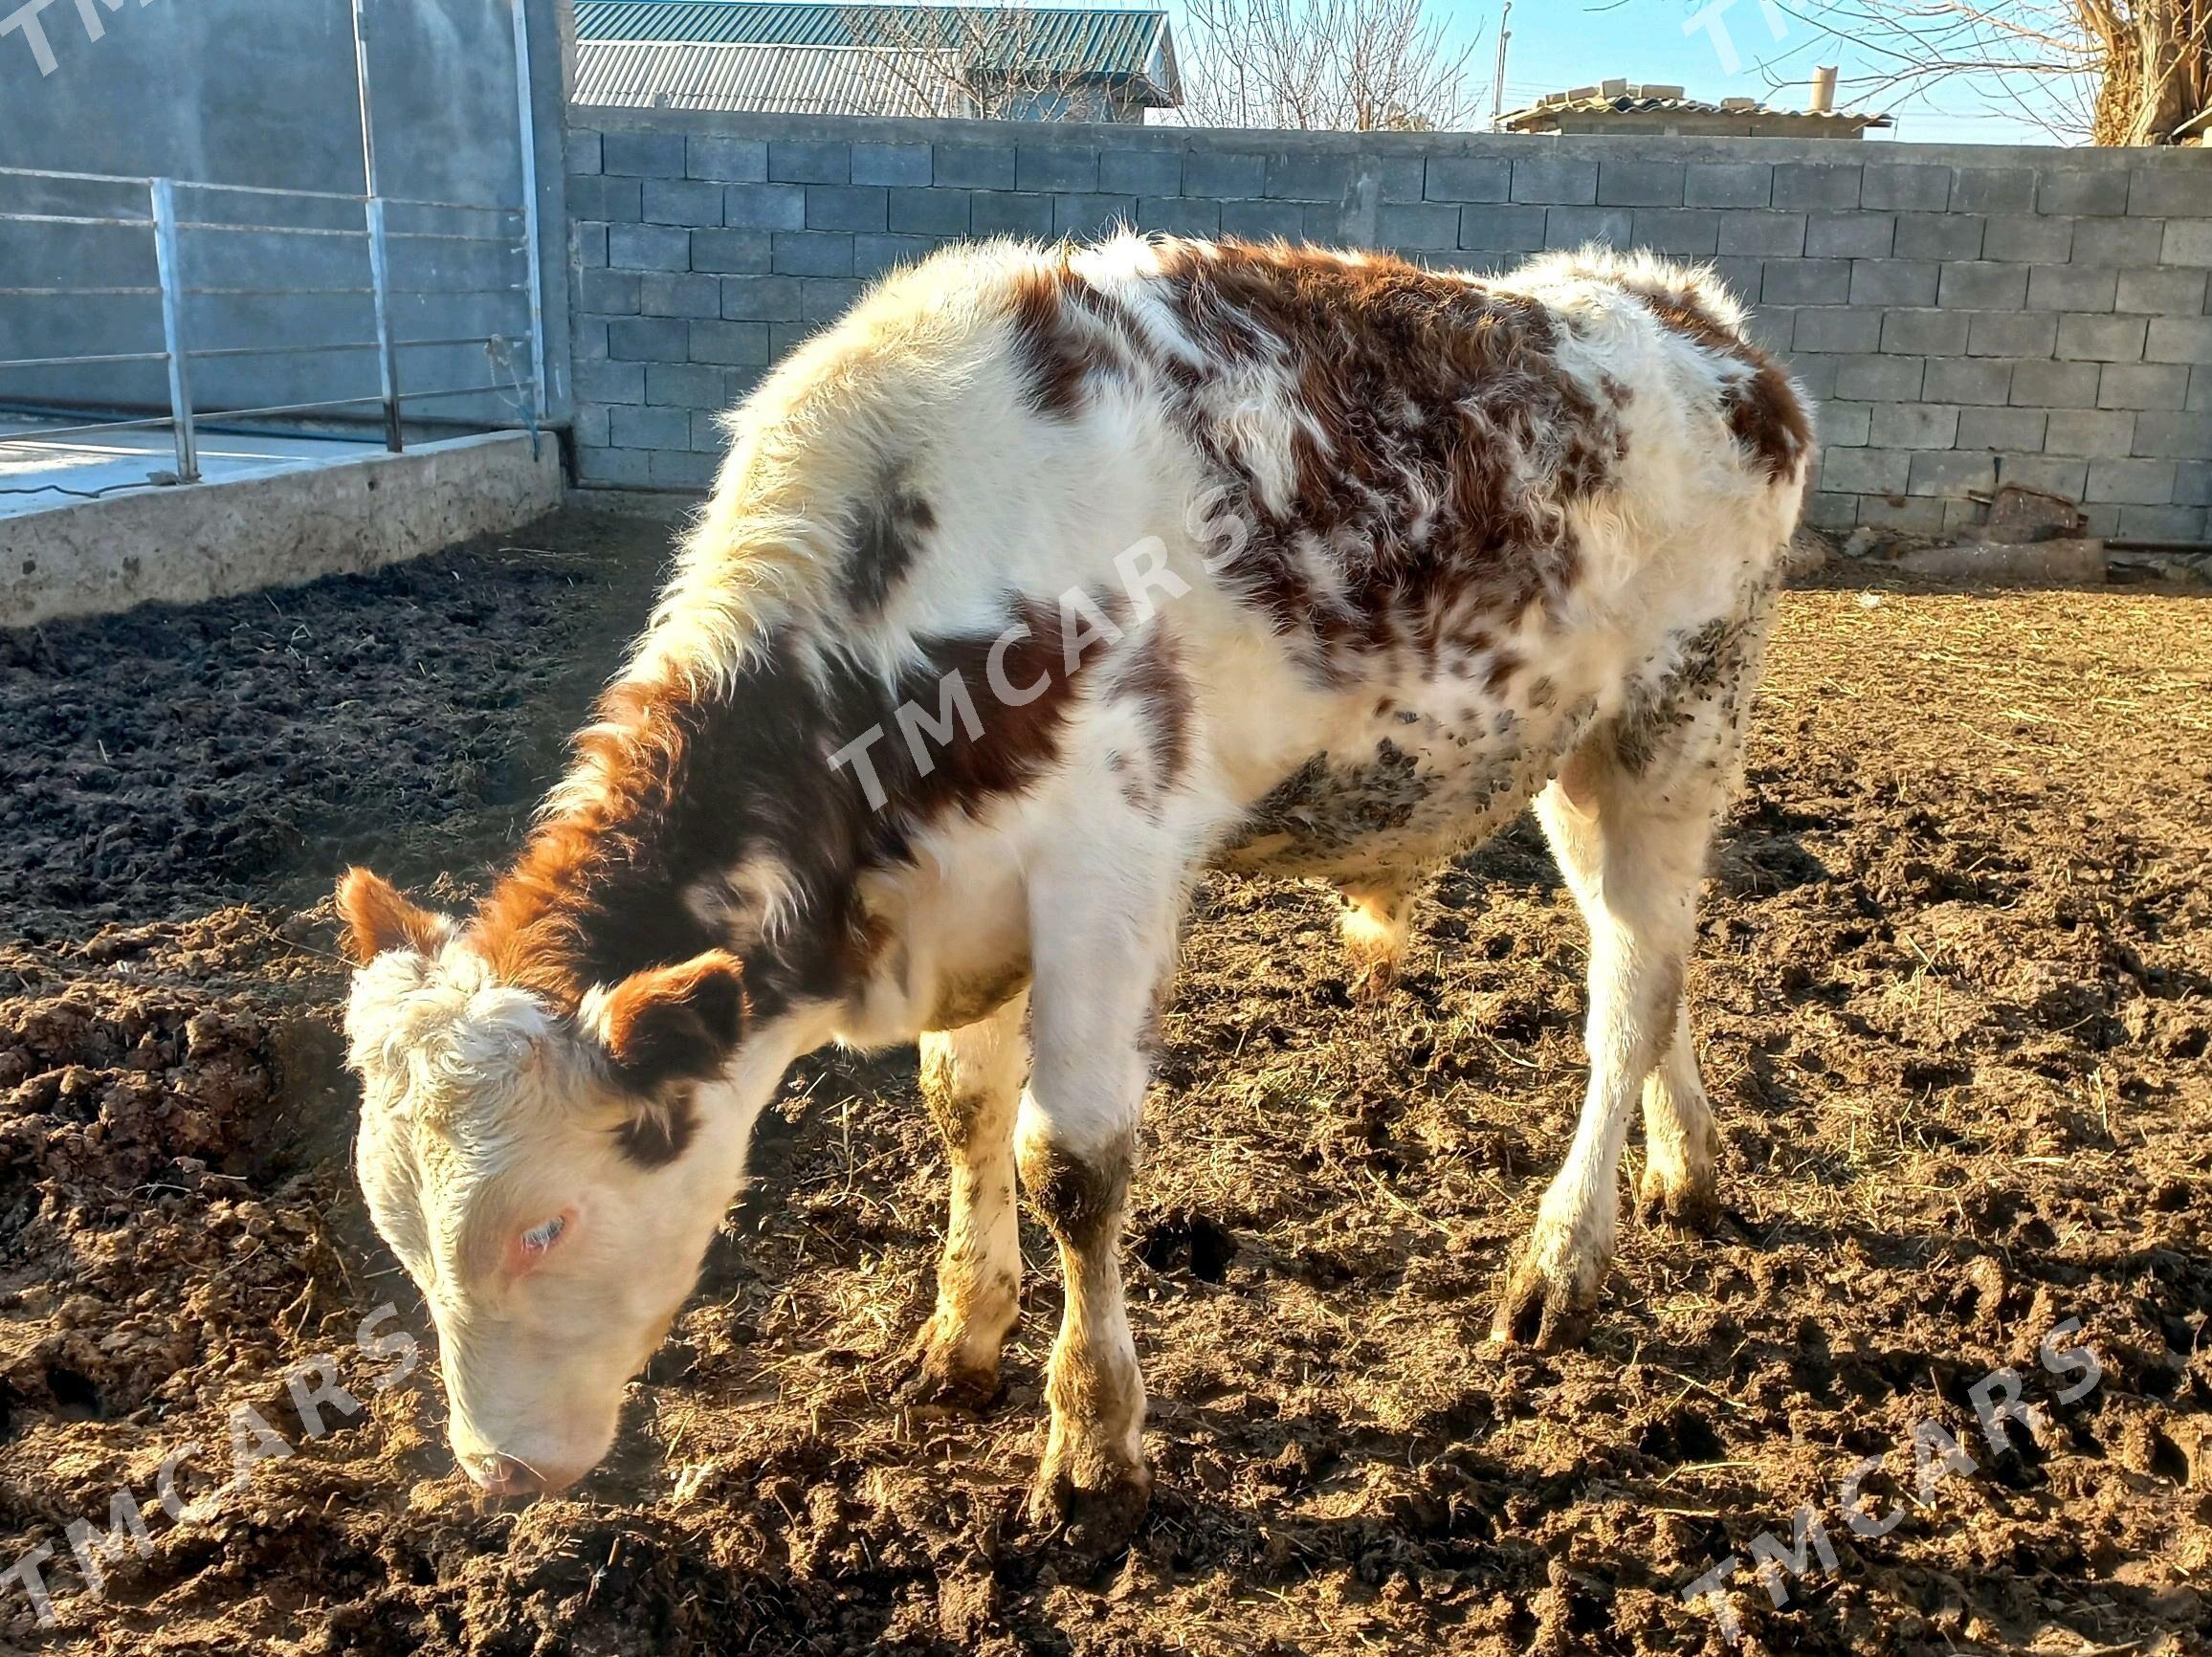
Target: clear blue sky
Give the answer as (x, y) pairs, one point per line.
(1558, 44)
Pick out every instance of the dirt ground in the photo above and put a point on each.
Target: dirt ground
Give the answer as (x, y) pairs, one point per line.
(1953, 997)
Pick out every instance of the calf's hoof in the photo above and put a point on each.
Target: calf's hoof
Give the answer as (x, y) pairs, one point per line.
(1550, 1296)
(1093, 1512)
(938, 1378)
(1686, 1202)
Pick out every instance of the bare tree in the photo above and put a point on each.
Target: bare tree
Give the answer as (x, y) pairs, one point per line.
(993, 62)
(1342, 65)
(2114, 72)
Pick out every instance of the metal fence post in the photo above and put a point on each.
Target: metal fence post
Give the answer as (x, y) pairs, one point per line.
(380, 296)
(526, 111)
(164, 204)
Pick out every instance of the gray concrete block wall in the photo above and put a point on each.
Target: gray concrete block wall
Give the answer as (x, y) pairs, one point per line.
(1963, 316)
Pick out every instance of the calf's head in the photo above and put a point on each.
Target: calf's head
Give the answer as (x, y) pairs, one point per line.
(549, 1177)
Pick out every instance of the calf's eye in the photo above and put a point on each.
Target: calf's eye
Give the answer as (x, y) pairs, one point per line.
(542, 1236)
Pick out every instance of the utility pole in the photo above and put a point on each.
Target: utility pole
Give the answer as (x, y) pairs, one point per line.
(1497, 78)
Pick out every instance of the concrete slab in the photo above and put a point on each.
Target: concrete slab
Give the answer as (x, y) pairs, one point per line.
(41, 474)
(276, 517)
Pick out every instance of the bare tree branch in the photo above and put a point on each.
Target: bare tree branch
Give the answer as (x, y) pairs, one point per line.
(1344, 65)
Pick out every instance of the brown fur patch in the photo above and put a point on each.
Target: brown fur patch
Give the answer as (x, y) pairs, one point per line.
(1051, 355)
(378, 917)
(1152, 676)
(1079, 1201)
(1764, 413)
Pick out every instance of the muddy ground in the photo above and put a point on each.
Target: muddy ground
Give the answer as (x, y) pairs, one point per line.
(1953, 997)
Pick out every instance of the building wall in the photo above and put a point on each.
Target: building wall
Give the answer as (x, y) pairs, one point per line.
(1963, 316)
(248, 92)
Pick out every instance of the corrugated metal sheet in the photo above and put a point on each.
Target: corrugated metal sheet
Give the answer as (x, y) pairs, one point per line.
(773, 79)
(1045, 41)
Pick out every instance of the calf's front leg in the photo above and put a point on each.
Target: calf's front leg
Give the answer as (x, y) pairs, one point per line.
(1103, 931)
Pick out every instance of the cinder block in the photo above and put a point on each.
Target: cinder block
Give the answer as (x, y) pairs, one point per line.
(1571, 227)
(707, 436)
(1952, 474)
(2053, 473)
(679, 294)
(2174, 436)
(726, 160)
(1680, 232)
(994, 212)
(1894, 281)
(1081, 218)
(1259, 220)
(2193, 483)
(2024, 238)
(614, 467)
(582, 153)
(1418, 224)
(2143, 385)
(2017, 430)
(1519, 228)
(1640, 183)
(588, 338)
(1140, 172)
(1480, 178)
(2199, 388)
(2095, 433)
(1222, 173)
(1866, 470)
(647, 248)
(635, 428)
(2070, 288)
(2179, 340)
(682, 384)
(1814, 184)
(1059, 166)
(647, 339)
(1922, 333)
(1177, 217)
(909, 165)
(2096, 191)
(616, 199)
(590, 428)
(1961, 379)
(1772, 234)
(1816, 376)
(1906, 188)
(761, 298)
(811, 253)
(1555, 179)
(1879, 379)
(2100, 519)
(2010, 333)
(744, 344)
(2101, 338)
(1729, 183)
(2119, 241)
(1978, 285)
(1843, 425)
(826, 298)
(928, 213)
(1398, 177)
(809, 161)
(681, 469)
(642, 154)
(1939, 236)
(738, 253)
(1321, 178)
(2131, 482)
(1805, 283)
(586, 245)
(2069, 386)
(2171, 191)
(1914, 426)
(974, 166)
(2162, 523)
(1916, 515)
(1771, 329)
(1850, 235)
(848, 207)
(611, 382)
(1993, 189)
(765, 206)
(610, 293)
(874, 252)
(1834, 328)
(2189, 241)
(2162, 293)
(1740, 275)
(1831, 511)
(682, 201)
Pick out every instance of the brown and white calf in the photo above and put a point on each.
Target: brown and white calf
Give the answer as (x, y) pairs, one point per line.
(1043, 582)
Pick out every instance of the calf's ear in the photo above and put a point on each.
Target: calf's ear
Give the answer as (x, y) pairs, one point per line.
(378, 918)
(675, 1022)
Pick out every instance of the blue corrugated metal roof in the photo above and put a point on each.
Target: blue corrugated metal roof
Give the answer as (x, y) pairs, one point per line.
(1110, 44)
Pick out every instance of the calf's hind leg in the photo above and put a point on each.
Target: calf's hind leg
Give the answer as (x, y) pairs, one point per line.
(971, 1079)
